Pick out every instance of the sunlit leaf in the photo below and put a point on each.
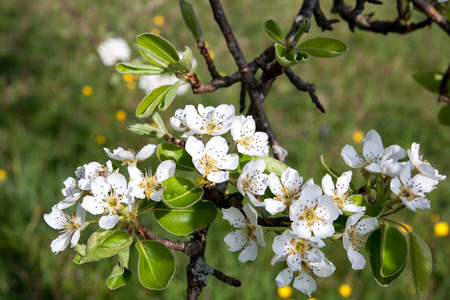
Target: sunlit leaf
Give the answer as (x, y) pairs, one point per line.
(300, 30)
(157, 50)
(120, 274)
(190, 19)
(152, 101)
(178, 154)
(137, 69)
(180, 192)
(186, 220)
(421, 262)
(323, 47)
(156, 265)
(273, 29)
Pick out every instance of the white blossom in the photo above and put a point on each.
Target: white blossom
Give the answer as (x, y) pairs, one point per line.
(209, 120)
(252, 181)
(211, 160)
(341, 194)
(411, 190)
(295, 249)
(109, 196)
(69, 226)
(249, 142)
(354, 238)
(248, 234)
(313, 213)
(113, 50)
(375, 158)
(144, 184)
(179, 123)
(129, 156)
(286, 192)
(422, 166)
(304, 282)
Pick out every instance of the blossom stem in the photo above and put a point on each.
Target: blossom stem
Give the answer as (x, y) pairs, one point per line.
(393, 211)
(398, 224)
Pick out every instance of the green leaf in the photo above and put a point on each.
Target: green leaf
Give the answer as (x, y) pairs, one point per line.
(190, 19)
(421, 262)
(328, 169)
(137, 69)
(444, 115)
(180, 192)
(300, 31)
(387, 250)
(152, 101)
(159, 122)
(169, 96)
(272, 165)
(157, 50)
(156, 265)
(430, 80)
(146, 130)
(120, 274)
(181, 157)
(102, 244)
(186, 220)
(185, 62)
(289, 59)
(323, 47)
(272, 29)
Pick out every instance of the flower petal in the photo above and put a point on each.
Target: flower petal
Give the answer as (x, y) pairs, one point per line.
(108, 222)
(145, 152)
(249, 253)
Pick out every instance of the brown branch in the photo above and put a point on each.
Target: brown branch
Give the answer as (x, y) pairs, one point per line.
(364, 22)
(321, 20)
(275, 222)
(305, 87)
(433, 14)
(209, 61)
(443, 89)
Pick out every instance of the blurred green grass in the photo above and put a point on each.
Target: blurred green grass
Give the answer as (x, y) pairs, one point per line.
(48, 128)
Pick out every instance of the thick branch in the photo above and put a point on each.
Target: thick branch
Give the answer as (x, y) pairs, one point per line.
(275, 222)
(433, 14)
(305, 87)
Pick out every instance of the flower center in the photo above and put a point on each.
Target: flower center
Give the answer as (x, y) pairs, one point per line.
(310, 216)
(248, 183)
(301, 246)
(288, 195)
(355, 239)
(340, 200)
(149, 184)
(209, 164)
(211, 125)
(245, 142)
(113, 204)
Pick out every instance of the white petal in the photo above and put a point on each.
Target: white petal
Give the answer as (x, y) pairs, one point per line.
(236, 127)
(294, 262)
(351, 157)
(305, 283)
(353, 219)
(67, 202)
(258, 232)
(60, 243)
(100, 188)
(323, 230)
(235, 240)
(118, 183)
(274, 206)
(323, 269)
(291, 179)
(275, 184)
(373, 150)
(311, 193)
(234, 216)
(108, 222)
(218, 177)
(135, 174)
(249, 253)
(358, 261)
(395, 185)
(343, 182)
(156, 195)
(284, 278)
(301, 229)
(113, 155)
(251, 214)
(372, 135)
(281, 243)
(93, 205)
(328, 185)
(165, 170)
(195, 148)
(395, 152)
(81, 215)
(217, 148)
(367, 225)
(229, 162)
(75, 238)
(145, 152)
(56, 219)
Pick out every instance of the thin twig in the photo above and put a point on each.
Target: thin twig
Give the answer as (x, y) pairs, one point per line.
(429, 10)
(305, 87)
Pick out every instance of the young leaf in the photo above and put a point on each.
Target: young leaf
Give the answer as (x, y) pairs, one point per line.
(157, 50)
(328, 169)
(300, 31)
(180, 192)
(185, 63)
(152, 101)
(102, 244)
(169, 96)
(430, 80)
(272, 29)
(323, 47)
(190, 19)
(182, 159)
(421, 262)
(186, 220)
(137, 69)
(387, 250)
(120, 274)
(159, 122)
(281, 56)
(156, 265)
(146, 130)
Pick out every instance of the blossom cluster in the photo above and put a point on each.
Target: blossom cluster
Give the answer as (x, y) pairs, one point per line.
(311, 209)
(102, 190)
